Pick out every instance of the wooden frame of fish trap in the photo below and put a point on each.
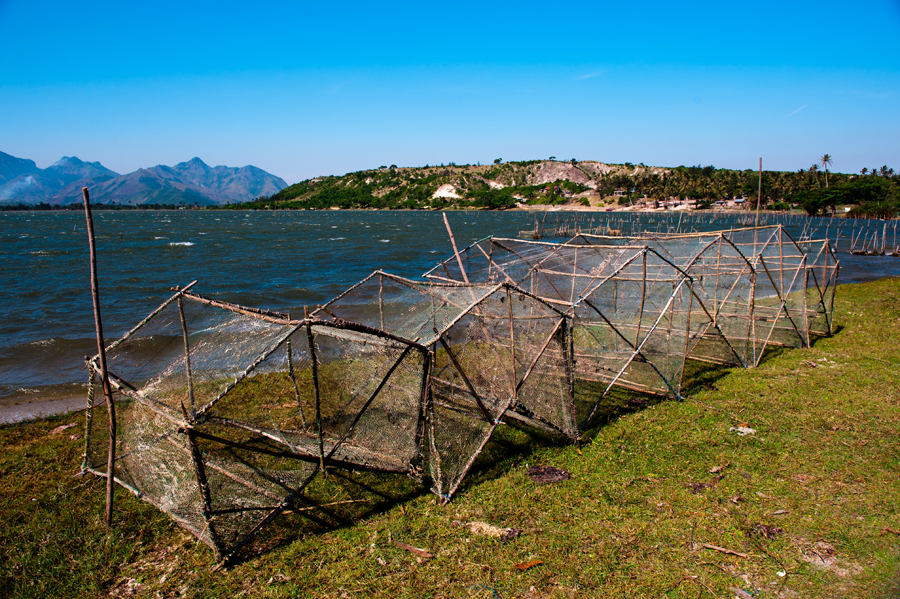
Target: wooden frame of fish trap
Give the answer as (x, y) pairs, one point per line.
(749, 289)
(634, 313)
(781, 288)
(226, 413)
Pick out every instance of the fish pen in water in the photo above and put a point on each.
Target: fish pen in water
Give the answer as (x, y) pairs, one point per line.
(226, 414)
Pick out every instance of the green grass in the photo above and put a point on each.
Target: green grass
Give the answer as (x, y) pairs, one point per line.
(822, 468)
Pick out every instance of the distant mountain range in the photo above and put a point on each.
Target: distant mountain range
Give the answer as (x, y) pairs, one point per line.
(192, 182)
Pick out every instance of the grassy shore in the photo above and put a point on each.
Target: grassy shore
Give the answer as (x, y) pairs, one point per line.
(664, 500)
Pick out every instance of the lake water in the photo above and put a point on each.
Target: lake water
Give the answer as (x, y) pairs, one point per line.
(275, 260)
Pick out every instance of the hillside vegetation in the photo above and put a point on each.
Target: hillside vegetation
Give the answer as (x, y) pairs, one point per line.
(503, 185)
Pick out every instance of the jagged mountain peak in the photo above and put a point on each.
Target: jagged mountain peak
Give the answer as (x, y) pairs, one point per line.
(194, 165)
(12, 167)
(69, 160)
(190, 182)
(74, 166)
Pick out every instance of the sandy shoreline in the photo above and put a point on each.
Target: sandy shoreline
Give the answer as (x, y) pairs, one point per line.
(42, 403)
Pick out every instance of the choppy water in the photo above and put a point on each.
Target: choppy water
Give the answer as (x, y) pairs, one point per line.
(276, 260)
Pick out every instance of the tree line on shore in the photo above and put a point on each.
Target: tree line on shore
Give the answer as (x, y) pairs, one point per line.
(874, 193)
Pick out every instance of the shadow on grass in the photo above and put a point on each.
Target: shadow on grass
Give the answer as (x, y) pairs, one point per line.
(340, 499)
(343, 498)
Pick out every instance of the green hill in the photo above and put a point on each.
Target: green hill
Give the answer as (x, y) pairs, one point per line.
(587, 183)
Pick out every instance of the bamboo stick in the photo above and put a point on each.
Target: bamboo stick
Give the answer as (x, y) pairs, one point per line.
(512, 345)
(315, 376)
(101, 352)
(290, 363)
(424, 409)
(187, 356)
(455, 251)
(89, 417)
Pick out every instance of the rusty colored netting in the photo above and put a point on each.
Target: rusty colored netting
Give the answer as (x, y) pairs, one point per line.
(633, 311)
(496, 350)
(750, 288)
(783, 289)
(225, 414)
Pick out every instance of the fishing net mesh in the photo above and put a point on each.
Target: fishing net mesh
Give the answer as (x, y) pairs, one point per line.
(226, 414)
(752, 288)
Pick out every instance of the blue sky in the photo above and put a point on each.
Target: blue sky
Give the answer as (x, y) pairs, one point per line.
(303, 89)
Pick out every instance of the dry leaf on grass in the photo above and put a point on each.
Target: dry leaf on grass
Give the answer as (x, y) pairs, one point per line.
(528, 565)
(697, 488)
(700, 487)
(415, 550)
(62, 428)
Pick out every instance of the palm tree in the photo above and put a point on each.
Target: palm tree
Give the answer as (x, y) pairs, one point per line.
(825, 160)
(814, 169)
(864, 171)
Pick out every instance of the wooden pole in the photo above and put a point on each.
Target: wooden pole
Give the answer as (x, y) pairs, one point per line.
(759, 193)
(101, 351)
(455, 251)
(187, 356)
(315, 375)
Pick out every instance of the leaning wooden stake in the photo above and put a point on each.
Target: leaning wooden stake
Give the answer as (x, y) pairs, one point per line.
(101, 351)
(759, 194)
(455, 251)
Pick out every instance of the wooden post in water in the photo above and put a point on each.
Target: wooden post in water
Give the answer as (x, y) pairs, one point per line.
(455, 251)
(101, 351)
(759, 193)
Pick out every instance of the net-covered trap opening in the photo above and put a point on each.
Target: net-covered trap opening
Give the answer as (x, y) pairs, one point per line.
(633, 314)
(225, 414)
(822, 269)
(780, 303)
(744, 290)
(760, 287)
(496, 350)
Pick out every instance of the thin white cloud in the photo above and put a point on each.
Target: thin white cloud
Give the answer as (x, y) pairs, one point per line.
(799, 109)
(589, 76)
